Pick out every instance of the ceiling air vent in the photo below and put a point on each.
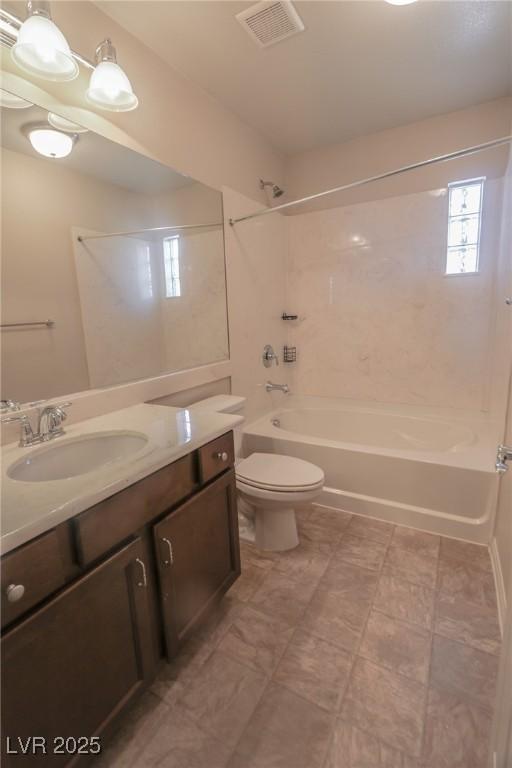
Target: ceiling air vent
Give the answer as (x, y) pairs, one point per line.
(270, 22)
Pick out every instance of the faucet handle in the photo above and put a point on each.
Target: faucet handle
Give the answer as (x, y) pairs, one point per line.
(20, 417)
(9, 405)
(27, 435)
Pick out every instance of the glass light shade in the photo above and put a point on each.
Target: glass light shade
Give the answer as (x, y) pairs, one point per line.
(63, 124)
(400, 2)
(11, 101)
(110, 89)
(51, 143)
(42, 50)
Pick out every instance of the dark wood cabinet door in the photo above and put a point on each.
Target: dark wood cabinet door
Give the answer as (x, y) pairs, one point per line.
(70, 667)
(198, 557)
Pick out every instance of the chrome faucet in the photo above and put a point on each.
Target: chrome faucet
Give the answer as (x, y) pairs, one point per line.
(49, 425)
(50, 421)
(280, 387)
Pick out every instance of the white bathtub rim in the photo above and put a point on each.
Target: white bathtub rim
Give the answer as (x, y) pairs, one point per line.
(479, 458)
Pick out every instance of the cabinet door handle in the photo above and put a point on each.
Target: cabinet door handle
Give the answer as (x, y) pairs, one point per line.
(170, 559)
(222, 455)
(144, 581)
(14, 592)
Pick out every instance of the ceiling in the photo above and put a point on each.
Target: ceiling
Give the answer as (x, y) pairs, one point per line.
(359, 67)
(94, 156)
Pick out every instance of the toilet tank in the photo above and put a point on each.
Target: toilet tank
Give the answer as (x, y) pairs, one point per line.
(225, 404)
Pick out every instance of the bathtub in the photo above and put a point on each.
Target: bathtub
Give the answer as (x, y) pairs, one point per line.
(428, 468)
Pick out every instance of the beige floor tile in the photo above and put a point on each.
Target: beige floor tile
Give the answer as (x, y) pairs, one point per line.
(223, 697)
(335, 519)
(340, 622)
(352, 748)
(256, 640)
(389, 706)
(426, 544)
(397, 646)
(313, 535)
(470, 623)
(463, 579)
(362, 552)
(370, 529)
(249, 581)
(314, 669)
(476, 554)
(402, 600)
(304, 562)
(340, 606)
(456, 732)
(470, 673)
(286, 731)
(411, 566)
(135, 730)
(179, 742)
(283, 596)
(350, 582)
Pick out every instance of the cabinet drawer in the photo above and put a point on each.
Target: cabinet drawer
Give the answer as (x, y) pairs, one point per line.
(114, 520)
(37, 567)
(215, 457)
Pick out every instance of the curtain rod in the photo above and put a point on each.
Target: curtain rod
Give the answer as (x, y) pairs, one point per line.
(81, 238)
(386, 175)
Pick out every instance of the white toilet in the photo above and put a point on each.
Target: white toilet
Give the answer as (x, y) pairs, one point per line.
(270, 486)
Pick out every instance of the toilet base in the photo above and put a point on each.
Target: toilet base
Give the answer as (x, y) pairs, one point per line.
(276, 530)
(271, 527)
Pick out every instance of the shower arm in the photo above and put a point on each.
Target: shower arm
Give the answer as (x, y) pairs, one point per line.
(388, 174)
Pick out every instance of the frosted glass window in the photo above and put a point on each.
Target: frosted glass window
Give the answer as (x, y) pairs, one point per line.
(464, 225)
(172, 267)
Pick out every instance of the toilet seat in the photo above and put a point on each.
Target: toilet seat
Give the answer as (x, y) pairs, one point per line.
(278, 474)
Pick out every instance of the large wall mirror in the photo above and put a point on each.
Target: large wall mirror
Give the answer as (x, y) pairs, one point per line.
(112, 264)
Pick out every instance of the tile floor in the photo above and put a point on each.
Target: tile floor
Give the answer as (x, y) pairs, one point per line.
(369, 646)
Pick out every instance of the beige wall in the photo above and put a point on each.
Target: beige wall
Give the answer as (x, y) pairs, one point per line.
(381, 321)
(328, 167)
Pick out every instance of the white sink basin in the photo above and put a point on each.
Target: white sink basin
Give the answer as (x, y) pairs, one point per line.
(76, 456)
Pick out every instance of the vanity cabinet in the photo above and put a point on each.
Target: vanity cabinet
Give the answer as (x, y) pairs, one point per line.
(110, 592)
(72, 665)
(198, 558)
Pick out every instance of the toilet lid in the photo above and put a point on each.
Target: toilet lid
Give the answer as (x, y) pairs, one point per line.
(273, 471)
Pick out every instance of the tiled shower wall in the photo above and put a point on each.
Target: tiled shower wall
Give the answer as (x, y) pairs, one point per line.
(379, 320)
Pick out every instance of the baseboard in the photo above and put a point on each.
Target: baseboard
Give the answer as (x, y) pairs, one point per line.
(499, 583)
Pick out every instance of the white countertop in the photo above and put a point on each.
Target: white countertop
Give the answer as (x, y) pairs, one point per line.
(31, 508)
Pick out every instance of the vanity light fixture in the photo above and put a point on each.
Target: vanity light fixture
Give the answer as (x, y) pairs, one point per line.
(41, 49)
(109, 87)
(49, 142)
(400, 2)
(63, 124)
(11, 101)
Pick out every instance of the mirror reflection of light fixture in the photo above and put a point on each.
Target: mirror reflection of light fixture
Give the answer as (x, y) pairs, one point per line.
(11, 101)
(49, 142)
(63, 124)
(400, 2)
(109, 87)
(41, 49)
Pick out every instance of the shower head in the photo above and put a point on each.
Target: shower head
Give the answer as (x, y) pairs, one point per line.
(276, 191)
